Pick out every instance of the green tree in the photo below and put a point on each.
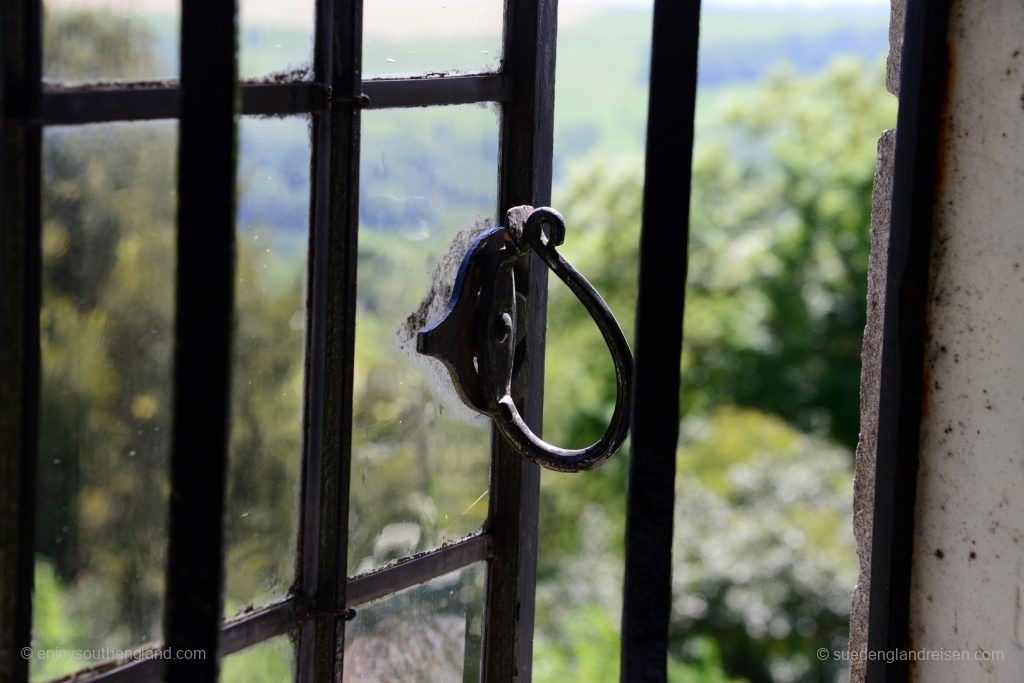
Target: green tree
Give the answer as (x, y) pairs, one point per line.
(106, 332)
(88, 44)
(781, 200)
(775, 311)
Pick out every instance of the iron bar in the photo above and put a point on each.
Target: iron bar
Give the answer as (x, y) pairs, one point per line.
(141, 102)
(923, 80)
(647, 591)
(331, 311)
(527, 133)
(20, 296)
(203, 333)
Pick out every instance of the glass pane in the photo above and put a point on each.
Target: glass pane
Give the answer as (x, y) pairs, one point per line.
(428, 634)
(102, 40)
(275, 37)
(419, 457)
(416, 37)
(106, 332)
(271, 661)
(266, 407)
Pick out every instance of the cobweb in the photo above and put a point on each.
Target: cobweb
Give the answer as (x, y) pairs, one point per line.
(430, 308)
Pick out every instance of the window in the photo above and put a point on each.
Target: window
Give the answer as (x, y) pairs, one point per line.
(350, 575)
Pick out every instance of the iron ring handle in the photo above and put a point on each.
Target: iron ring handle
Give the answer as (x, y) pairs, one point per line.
(507, 417)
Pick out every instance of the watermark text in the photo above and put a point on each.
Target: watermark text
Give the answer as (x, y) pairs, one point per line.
(890, 656)
(109, 654)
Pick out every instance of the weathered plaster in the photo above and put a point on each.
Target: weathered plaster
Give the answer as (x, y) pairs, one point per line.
(968, 564)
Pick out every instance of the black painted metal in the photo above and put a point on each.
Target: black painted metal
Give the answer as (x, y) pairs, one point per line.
(237, 634)
(422, 92)
(416, 570)
(20, 278)
(83, 104)
(647, 593)
(923, 79)
(331, 343)
(282, 617)
(477, 336)
(203, 332)
(452, 338)
(543, 231)
(526, 148)
(140, 102)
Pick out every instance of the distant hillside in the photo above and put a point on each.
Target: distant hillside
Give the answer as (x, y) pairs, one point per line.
(603, 63)
(736, 45)
(740, 46)
(601, 88)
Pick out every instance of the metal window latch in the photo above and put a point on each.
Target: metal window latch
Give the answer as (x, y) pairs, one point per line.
(478, 335)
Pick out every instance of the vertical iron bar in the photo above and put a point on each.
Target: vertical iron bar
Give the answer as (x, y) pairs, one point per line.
(331, 311)
(647, 593)
(203, 332)
(525, 178)
(20, 283)
(923, 81)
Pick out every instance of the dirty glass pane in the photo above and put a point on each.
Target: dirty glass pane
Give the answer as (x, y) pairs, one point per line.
(419, 457)
(106, 329)
(271, 661)
(417, 37)
(275, 37)
(103, 40)
(266, 399)
(428, 634)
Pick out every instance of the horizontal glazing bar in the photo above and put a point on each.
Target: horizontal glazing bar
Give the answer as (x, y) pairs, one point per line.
(254, 627)
(259, 625)
(422, 92)
(147, 101)
(416, 570)
(236, 634)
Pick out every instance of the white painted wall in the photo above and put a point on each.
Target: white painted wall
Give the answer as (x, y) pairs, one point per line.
(968, 568)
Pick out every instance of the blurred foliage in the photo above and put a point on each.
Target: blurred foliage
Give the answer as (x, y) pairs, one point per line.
(763, 559)
(778, 256)
(106, 328)
(86, 44)
(775, 312)
(268, 662)
(764, 563)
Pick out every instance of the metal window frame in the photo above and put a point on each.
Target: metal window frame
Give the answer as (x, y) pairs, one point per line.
(527, 136)
(924, 73)
(323, 595)
(20, 295)
(62, 106)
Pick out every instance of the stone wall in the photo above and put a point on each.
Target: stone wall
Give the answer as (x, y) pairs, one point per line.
(967, 585)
